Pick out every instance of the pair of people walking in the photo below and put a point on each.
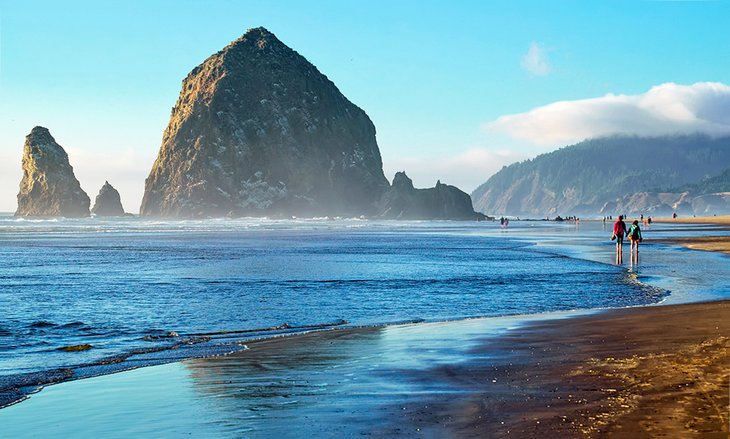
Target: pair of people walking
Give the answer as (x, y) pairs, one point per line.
(633, 233)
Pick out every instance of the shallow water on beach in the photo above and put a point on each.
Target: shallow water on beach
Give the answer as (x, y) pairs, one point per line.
(150, 278)
(132, 286)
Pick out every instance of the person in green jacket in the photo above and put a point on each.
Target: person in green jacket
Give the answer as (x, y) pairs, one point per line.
(634, 235)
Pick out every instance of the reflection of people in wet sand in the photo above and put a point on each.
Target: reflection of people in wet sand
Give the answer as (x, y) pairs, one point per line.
(634, 235)
(619, 230)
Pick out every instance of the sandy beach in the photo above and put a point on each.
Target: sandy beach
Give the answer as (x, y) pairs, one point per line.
(656, 371)
(723, 220)
(645, 372)
(713, 242)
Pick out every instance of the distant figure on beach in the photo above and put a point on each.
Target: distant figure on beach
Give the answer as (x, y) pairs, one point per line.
(648, 222)
(634, 235)
(501, 222)
(674, 215)
(619, 230)
(506, 223)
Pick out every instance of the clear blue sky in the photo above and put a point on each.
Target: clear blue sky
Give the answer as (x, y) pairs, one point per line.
(103, 75)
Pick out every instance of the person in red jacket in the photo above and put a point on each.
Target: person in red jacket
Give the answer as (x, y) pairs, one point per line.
(619, 231)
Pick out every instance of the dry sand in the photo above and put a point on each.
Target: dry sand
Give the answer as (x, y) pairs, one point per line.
(633, 373)
(712, 242)
(707, 243)
(723, 220)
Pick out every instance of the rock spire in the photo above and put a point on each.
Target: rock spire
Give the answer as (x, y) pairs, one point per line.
(48, 187)
(108, 202)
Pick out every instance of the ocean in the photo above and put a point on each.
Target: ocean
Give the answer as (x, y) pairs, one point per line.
(91, 296)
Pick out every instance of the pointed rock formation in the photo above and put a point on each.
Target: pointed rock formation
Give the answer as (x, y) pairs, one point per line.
(403, 201)
(49, 187)
(108, 202)
(258, 130)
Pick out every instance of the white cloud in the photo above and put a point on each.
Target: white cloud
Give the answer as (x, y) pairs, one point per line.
(465, 170)
(535, 60)
(665, 109)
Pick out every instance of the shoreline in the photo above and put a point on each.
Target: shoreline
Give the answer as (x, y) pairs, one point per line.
(720, 244)
(637, 372)
(542, 358)
(633, 372)
(713, 242)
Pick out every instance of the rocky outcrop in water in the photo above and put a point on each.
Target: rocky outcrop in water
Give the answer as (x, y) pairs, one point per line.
(403, 201)
(258, 130)
(48, 187)
(108, 202)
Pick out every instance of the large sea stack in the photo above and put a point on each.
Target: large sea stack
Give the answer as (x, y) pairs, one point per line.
(258, 130)
(108, 202)
(49, 187)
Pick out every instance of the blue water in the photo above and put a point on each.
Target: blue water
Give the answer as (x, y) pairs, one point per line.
(134, 286)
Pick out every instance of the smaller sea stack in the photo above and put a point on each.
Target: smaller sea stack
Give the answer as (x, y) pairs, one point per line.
(441, 202)
(108, 202)
(48, 187)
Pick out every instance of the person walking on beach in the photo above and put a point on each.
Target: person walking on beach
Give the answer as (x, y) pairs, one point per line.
(634, 235)
(619, 230)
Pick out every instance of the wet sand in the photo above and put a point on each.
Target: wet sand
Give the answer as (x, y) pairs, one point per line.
(642, 372)
(659, 371)
(715, 243)
(723, 220)
(706, 243)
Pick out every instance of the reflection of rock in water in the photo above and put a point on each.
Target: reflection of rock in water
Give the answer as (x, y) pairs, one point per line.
(49, 187)
(307, 380)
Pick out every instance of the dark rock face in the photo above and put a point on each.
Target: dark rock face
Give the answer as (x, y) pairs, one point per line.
(405, 202)
(108, 202)
(258, 130)
(49, 187)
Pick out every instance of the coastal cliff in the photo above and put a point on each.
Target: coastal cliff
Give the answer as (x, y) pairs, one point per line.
(403, 201)
(258, 130)
(610, 175)
(108, 202)
(49, 187)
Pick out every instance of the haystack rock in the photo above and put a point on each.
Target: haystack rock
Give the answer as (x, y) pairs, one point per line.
(49, 187)
(108, 202)
(441, 202)
(258, 130)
